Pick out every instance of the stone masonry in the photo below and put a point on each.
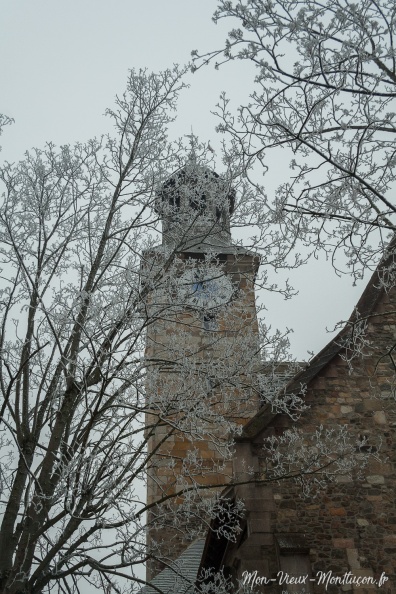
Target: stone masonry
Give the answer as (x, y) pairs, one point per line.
(349, 528)
(201, 362)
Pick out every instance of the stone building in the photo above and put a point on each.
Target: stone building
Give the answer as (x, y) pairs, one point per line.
(348, 530)
(202, 355)
(345, 529)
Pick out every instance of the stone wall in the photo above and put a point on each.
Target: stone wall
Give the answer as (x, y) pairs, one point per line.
(350, 525)
(214, 367)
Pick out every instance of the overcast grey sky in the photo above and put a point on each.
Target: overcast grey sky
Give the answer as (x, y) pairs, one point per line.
(62, 63)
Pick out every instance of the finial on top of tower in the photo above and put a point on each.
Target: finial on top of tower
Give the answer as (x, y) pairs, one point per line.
(193, 141)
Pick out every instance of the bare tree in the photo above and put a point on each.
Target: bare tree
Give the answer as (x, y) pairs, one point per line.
(81, 286)
(325, 90)
(71, 345)
(86, 414)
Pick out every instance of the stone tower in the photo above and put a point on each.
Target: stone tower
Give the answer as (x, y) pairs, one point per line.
(202, 356)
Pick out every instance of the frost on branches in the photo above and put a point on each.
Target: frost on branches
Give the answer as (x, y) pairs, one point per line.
(325, 92)
(76, 224)
(80, 400)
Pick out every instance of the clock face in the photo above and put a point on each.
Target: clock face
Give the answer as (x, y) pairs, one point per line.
(205, 289)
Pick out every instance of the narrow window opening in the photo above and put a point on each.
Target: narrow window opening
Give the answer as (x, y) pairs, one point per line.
(209, 321)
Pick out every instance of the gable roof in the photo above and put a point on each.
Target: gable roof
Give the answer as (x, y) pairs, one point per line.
(366, 305)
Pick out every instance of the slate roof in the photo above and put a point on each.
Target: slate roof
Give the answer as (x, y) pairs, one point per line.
(181, 575)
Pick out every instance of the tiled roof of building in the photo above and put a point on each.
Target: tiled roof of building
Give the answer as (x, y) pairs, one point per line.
(181, 575)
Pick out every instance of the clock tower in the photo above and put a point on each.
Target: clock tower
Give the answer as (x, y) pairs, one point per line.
(202, 357)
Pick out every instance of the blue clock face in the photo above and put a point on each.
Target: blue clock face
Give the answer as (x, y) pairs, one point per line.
(205, 289)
